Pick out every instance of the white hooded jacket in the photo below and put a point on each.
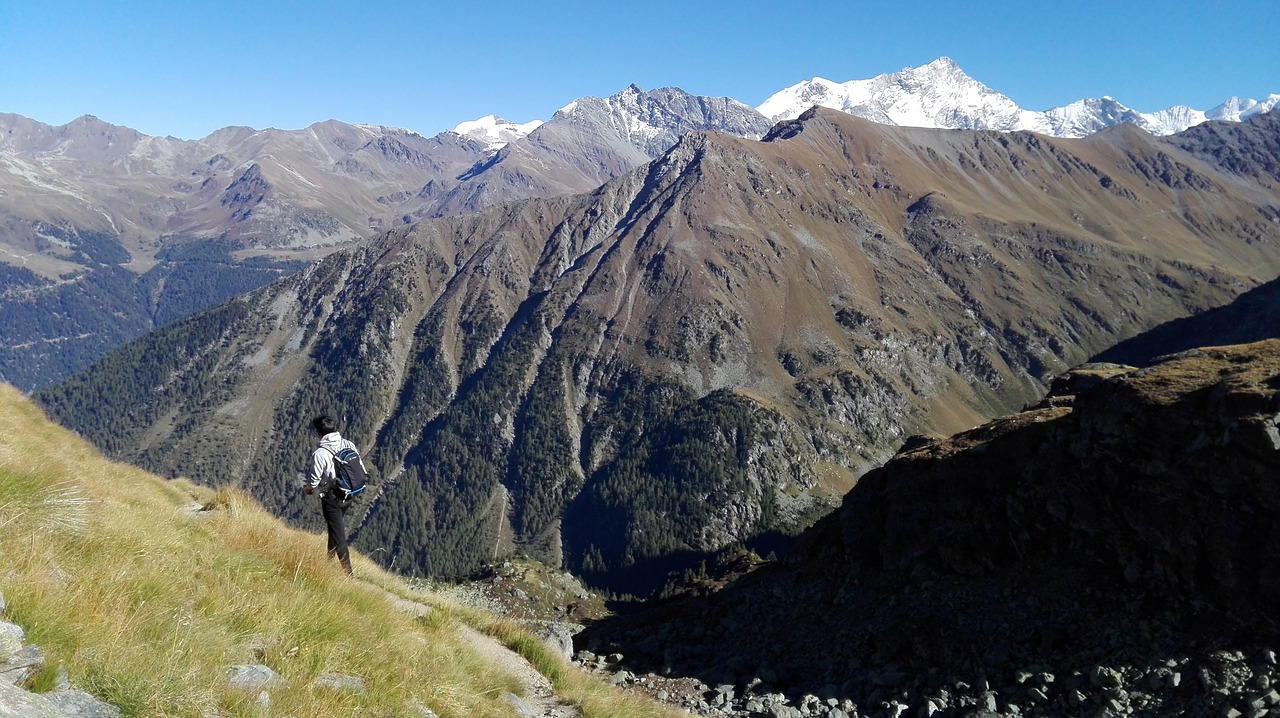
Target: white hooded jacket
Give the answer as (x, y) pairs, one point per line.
(322, 471)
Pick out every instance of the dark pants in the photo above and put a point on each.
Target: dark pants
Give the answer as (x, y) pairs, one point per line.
(335, 512)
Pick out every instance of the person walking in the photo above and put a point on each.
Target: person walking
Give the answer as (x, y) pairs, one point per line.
(323, 475)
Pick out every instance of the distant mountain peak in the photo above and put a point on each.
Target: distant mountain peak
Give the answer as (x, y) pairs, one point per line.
(938, 95)
(941, 95)
(89, 121)
(1237, 108)
(941, 66)
(495, 132)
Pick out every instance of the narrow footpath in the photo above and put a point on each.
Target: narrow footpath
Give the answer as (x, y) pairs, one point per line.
(539, 699)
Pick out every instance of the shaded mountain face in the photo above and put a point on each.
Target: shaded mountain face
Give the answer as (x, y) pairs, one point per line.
(1252, 317)
(100, 222)
(709, 349)
(1114, 544)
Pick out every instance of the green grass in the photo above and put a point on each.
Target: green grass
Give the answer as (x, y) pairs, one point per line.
(148, 601)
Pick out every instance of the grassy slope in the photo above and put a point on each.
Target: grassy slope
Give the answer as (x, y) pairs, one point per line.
(147, 601)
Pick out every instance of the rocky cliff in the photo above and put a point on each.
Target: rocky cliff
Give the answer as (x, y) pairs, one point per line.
(1110, 551)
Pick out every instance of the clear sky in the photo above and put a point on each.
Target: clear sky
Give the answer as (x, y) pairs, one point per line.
(188, 67)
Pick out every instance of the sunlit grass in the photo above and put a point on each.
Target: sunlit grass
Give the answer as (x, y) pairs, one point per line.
(595, 698)
(147, 592)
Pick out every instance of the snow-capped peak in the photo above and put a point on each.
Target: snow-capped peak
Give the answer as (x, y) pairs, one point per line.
(940, 95)
(793, 101)
(494, 131)
(1237, 109)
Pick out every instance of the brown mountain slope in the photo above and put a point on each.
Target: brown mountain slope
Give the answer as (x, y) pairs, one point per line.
(324, 185)
(106, 233)
(706, 350)
(1110, 555)
(586, 144)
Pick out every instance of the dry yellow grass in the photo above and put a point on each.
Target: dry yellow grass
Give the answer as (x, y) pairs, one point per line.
(147, 600)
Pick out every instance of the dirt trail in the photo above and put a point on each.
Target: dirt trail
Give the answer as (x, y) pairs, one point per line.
(539, 699)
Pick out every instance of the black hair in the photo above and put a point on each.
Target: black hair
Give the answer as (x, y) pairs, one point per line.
(324, 424)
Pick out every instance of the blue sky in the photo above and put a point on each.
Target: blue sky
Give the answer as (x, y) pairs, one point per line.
(188, 67)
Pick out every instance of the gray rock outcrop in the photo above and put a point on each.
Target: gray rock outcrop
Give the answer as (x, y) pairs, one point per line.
(20, 662)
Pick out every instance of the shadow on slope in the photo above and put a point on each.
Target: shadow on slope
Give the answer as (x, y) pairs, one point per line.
(1253, 316)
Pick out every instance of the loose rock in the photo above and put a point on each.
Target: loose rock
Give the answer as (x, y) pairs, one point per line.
(251, 677)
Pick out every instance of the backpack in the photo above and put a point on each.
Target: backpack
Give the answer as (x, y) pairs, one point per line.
(351, 476)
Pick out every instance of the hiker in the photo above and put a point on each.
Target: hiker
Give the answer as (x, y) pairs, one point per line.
(324, 474)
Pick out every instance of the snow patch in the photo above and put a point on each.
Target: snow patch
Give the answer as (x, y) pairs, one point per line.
(494, 131)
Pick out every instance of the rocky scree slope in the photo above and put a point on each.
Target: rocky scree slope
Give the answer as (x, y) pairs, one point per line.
(709, 349)
(20, 661)
(1110, 551)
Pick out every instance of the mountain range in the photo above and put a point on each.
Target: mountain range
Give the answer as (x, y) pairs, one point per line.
(707, 349)
(106, 233)
(735, 331)
(110, 233)
(941, 95)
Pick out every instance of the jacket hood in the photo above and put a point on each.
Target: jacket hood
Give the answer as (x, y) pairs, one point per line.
(333, 441)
